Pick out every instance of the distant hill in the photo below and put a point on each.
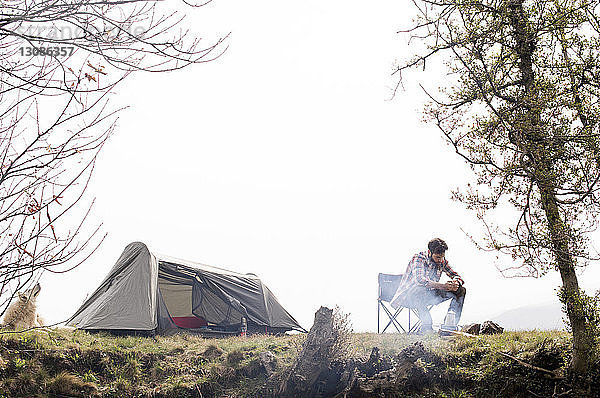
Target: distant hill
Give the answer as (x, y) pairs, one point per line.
(542, 317)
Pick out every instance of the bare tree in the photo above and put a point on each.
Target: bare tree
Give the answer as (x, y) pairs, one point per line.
(59, 61)
(522, 108)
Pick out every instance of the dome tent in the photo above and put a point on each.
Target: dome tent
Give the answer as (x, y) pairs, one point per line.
(145, 292)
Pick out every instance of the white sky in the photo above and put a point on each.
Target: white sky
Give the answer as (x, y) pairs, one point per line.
(283, 158)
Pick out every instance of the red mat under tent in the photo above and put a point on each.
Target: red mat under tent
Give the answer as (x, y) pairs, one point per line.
(189, 322)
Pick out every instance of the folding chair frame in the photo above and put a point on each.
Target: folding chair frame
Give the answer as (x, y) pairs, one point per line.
(393, 318)
(384, 296)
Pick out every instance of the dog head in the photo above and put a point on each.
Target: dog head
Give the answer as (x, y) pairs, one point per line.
(30, 294)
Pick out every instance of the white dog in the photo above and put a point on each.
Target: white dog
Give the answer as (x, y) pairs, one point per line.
(21, 314)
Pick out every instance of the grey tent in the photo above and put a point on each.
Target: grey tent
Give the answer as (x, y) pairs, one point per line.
(157, 294)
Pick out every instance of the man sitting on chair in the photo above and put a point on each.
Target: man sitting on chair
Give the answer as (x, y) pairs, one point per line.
(420, 285)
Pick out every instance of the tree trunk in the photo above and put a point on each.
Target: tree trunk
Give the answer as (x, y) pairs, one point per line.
(560, 236)
(531, 140)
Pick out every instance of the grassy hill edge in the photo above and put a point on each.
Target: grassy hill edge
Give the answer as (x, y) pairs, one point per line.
(64, 362)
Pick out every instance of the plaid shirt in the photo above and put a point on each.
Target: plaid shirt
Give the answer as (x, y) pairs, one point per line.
(420, 271)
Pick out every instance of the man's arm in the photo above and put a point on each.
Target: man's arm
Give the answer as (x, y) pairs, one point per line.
(451, 273)
(449, 286)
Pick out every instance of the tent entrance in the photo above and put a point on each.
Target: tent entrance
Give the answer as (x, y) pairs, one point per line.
(177, 296)
(194, 300)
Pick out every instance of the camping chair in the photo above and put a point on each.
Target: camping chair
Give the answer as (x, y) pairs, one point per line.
(387, 286)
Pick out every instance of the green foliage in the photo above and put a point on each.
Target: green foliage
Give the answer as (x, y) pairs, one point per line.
(456, 394)
(588, 309)
(20, 363)
(89, 377)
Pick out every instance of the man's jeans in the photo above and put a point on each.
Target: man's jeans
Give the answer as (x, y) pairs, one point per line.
(421, 297)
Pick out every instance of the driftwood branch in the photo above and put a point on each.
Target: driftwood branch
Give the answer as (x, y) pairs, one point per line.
(552, 374)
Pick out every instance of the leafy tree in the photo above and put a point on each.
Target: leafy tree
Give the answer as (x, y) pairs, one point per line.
(59, 61)
(521, 106)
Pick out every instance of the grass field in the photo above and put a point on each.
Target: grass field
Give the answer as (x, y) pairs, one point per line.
(64, 362)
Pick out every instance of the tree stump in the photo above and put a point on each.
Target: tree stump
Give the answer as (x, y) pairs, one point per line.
(314, 359)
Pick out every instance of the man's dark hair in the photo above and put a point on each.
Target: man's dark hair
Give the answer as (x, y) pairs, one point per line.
(437, 246)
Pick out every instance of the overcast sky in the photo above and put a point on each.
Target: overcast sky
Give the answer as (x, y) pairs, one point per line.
(285, 158)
